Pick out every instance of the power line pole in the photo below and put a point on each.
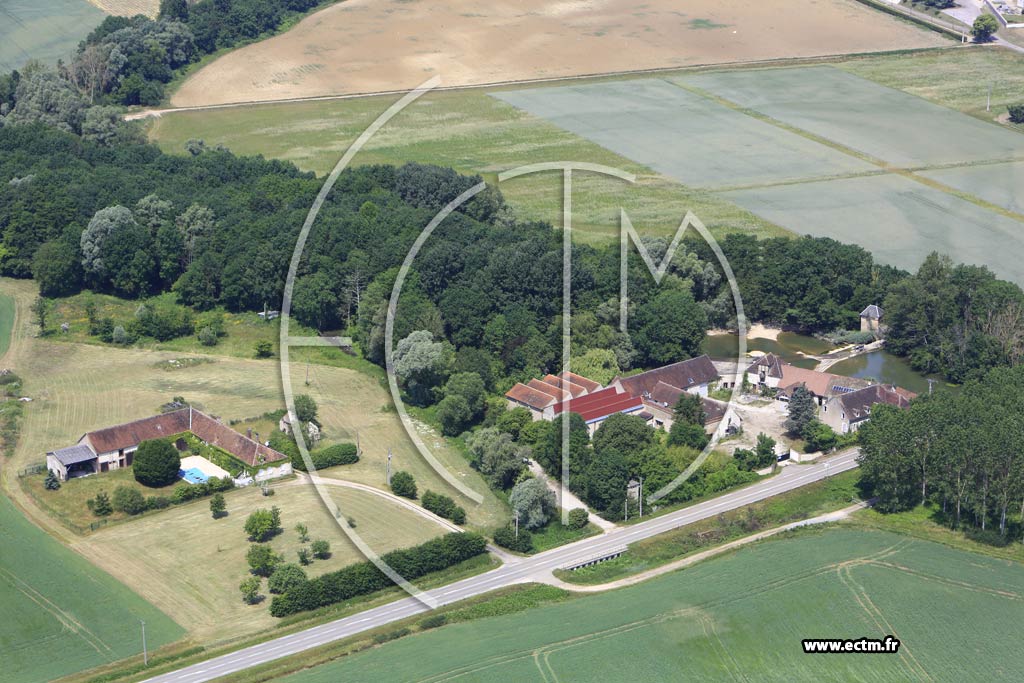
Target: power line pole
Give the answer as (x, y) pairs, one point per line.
(930, 383)
(388, 466)
(988, 104)
(517, 523)
(641, 498)
(145, 653)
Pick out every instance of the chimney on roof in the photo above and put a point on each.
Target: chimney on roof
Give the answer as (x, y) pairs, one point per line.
(248, 432)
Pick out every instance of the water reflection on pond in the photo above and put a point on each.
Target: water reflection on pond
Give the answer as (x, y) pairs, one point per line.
(790, 347)
(886, 368)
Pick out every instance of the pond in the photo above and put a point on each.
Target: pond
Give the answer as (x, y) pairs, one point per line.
(790, 347)
(887, 368)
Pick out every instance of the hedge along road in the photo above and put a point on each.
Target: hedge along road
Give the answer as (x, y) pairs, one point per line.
(535, 568)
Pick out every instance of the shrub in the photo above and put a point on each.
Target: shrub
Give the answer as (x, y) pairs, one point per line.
(443, 506)
(304, 557)
(264, 349)
(506, 538)
(250, 588)
(158, 502)
(119, 336)
(578, 518)
(338, 454)
(303, 531)
(364, 578)
(321, 549)
(285, 577)
(52, 483)
(156, 463)
(262, 559)
(208, 337)
(101, 505)
(129, 500)
(433, 621)
(1016, 113)
(402, 484)
(382, 638)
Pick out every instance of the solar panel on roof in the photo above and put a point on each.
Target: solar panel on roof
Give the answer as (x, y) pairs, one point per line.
(843, 390)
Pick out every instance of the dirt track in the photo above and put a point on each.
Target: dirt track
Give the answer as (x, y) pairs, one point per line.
(375, 45)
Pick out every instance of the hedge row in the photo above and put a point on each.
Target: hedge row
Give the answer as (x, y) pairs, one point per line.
(338, 454)
(364, 577)
(444, 506)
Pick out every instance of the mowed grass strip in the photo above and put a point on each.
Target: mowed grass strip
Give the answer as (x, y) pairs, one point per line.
(58, 613)
(741, 613)
(472, 132)
(6, 322)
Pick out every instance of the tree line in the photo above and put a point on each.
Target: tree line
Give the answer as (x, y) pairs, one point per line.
(962, 451)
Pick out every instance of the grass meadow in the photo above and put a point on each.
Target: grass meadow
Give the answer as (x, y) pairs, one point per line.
(78, 387)
(741, 614)
(54, 601)
(473, 133)
(6, 322)
(46, 31)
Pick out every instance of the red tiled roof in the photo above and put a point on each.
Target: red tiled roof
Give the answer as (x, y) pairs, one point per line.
(590, 385)
(601, 404)
(538, 400)
(565, 385)
(131, 434)
(543, 387)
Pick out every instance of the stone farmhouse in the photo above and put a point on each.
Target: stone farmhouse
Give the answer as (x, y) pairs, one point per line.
(847, 412)
(114, 447)
(769, 371)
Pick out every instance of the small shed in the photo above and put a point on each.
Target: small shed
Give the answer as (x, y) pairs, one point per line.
(73, 461)
(870, 319)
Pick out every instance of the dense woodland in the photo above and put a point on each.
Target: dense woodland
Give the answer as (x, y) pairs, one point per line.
(962, 452)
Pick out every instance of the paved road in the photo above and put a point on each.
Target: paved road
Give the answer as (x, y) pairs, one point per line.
(524, 570)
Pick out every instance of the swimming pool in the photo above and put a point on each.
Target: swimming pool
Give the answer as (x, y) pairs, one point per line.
(193, 475)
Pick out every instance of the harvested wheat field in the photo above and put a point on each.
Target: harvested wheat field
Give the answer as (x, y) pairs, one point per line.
(362, 46)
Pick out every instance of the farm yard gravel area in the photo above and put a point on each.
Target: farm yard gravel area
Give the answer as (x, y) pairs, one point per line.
(362, 46)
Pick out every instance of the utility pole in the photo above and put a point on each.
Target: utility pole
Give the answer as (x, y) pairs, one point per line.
(930, 383)
(145, 653)
(517, 523)
(988, 104)
(388, 466)
(625, 507)
(641, 498)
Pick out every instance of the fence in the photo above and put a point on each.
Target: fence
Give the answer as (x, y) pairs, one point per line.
(32, 469)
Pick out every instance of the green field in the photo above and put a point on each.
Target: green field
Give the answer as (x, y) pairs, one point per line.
(897, 219)
(895, 127)
(53, 601)
(999, 184)
(6, 322)
(742, 617)
(693, 139)
(46, 31)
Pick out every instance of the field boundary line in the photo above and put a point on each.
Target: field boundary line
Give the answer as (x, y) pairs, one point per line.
(598, 75)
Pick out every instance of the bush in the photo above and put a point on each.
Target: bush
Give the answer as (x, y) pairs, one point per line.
(989, 537)
(433, 621)
(129, 500)
(158, 502)
(364, 578)
(338, 454)
(156, 463)
(1016, 113)
(52, 483)
(285, 577)
(304, 557)
(506, 538)
(264, 349)
(250, 588)
(208, 337)
(402, 484)
(217, 505)
(321, 549)
(382, 638)
(101, 505)
(578, 518)
(443, 506)
(262, 559)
